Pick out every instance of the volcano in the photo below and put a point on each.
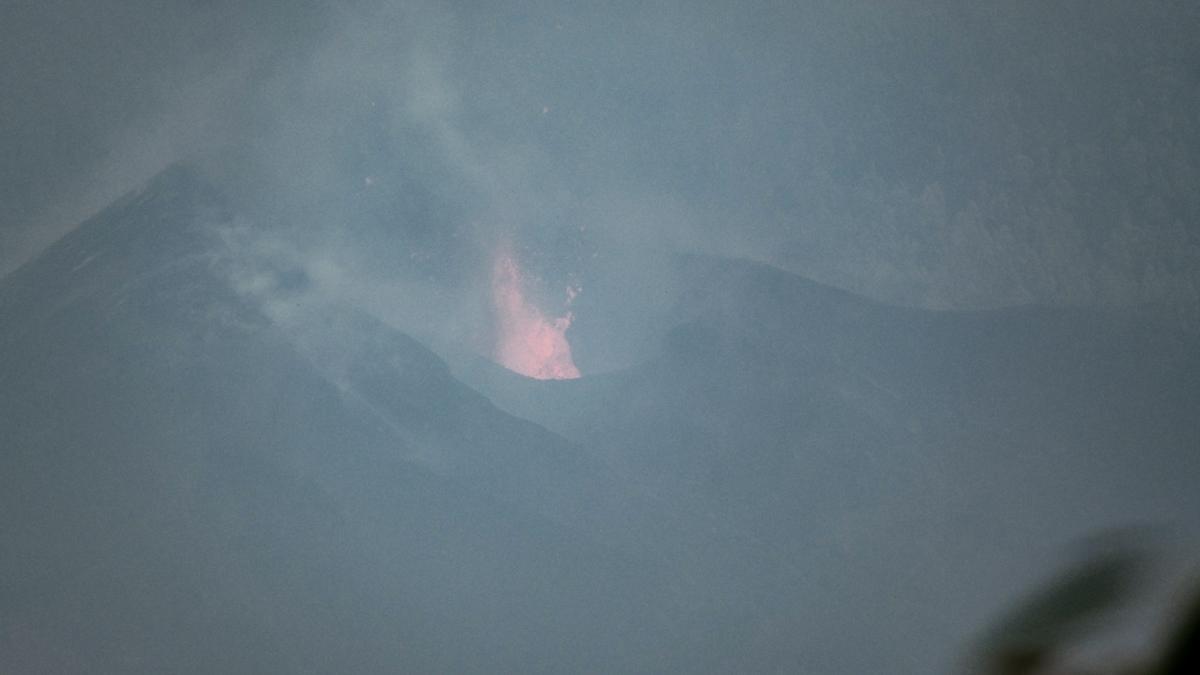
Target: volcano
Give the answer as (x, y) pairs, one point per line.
(175, 465)
(799, 480)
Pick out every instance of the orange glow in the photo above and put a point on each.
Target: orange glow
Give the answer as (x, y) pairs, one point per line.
(527, 341)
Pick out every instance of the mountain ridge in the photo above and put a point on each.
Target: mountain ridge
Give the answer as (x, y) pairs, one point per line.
(794, 468)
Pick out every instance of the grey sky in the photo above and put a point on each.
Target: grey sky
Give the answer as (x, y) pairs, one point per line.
(924, 152)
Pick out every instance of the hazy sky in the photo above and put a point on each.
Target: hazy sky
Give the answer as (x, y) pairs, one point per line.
(926, 152)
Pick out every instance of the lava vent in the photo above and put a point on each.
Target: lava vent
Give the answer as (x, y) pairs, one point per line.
(527, 341)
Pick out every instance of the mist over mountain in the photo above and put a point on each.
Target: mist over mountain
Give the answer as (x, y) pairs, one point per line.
(377, 336)
(931, 153)
(188, 488)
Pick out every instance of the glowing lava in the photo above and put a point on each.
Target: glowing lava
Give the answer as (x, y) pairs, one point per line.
(527, 341)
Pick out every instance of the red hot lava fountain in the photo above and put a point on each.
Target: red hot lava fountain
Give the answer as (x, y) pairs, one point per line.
(527, 341)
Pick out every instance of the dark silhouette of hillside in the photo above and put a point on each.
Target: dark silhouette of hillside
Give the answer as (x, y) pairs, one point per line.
(799, 480)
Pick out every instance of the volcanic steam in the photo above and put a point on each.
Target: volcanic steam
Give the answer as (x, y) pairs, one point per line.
(527, 341)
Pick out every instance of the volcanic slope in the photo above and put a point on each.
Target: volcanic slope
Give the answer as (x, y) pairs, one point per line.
(185, 487)
(801, 480)
(905, 472)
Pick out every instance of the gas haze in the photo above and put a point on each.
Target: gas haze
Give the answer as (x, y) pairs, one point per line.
(935, 154)
(271, 378)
